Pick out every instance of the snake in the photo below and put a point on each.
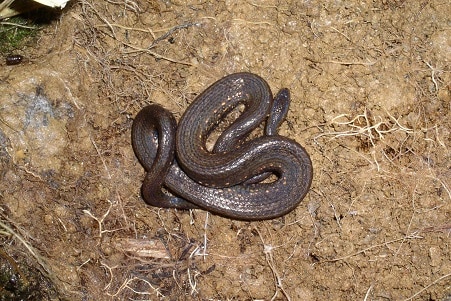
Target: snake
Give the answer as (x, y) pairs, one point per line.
(239, 178)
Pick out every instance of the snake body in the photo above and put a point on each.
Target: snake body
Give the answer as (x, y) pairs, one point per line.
(228, 180)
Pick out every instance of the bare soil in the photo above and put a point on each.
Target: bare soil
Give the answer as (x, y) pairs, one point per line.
(371, 89)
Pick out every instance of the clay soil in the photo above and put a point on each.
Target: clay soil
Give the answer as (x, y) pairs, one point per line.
(371, 103)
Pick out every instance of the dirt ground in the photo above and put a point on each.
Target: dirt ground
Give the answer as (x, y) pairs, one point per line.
(371, 103)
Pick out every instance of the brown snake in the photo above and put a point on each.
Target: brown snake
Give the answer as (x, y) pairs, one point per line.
(229, 179)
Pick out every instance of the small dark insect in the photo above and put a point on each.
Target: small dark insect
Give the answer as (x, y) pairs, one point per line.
(171, 40)
(14, 59)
